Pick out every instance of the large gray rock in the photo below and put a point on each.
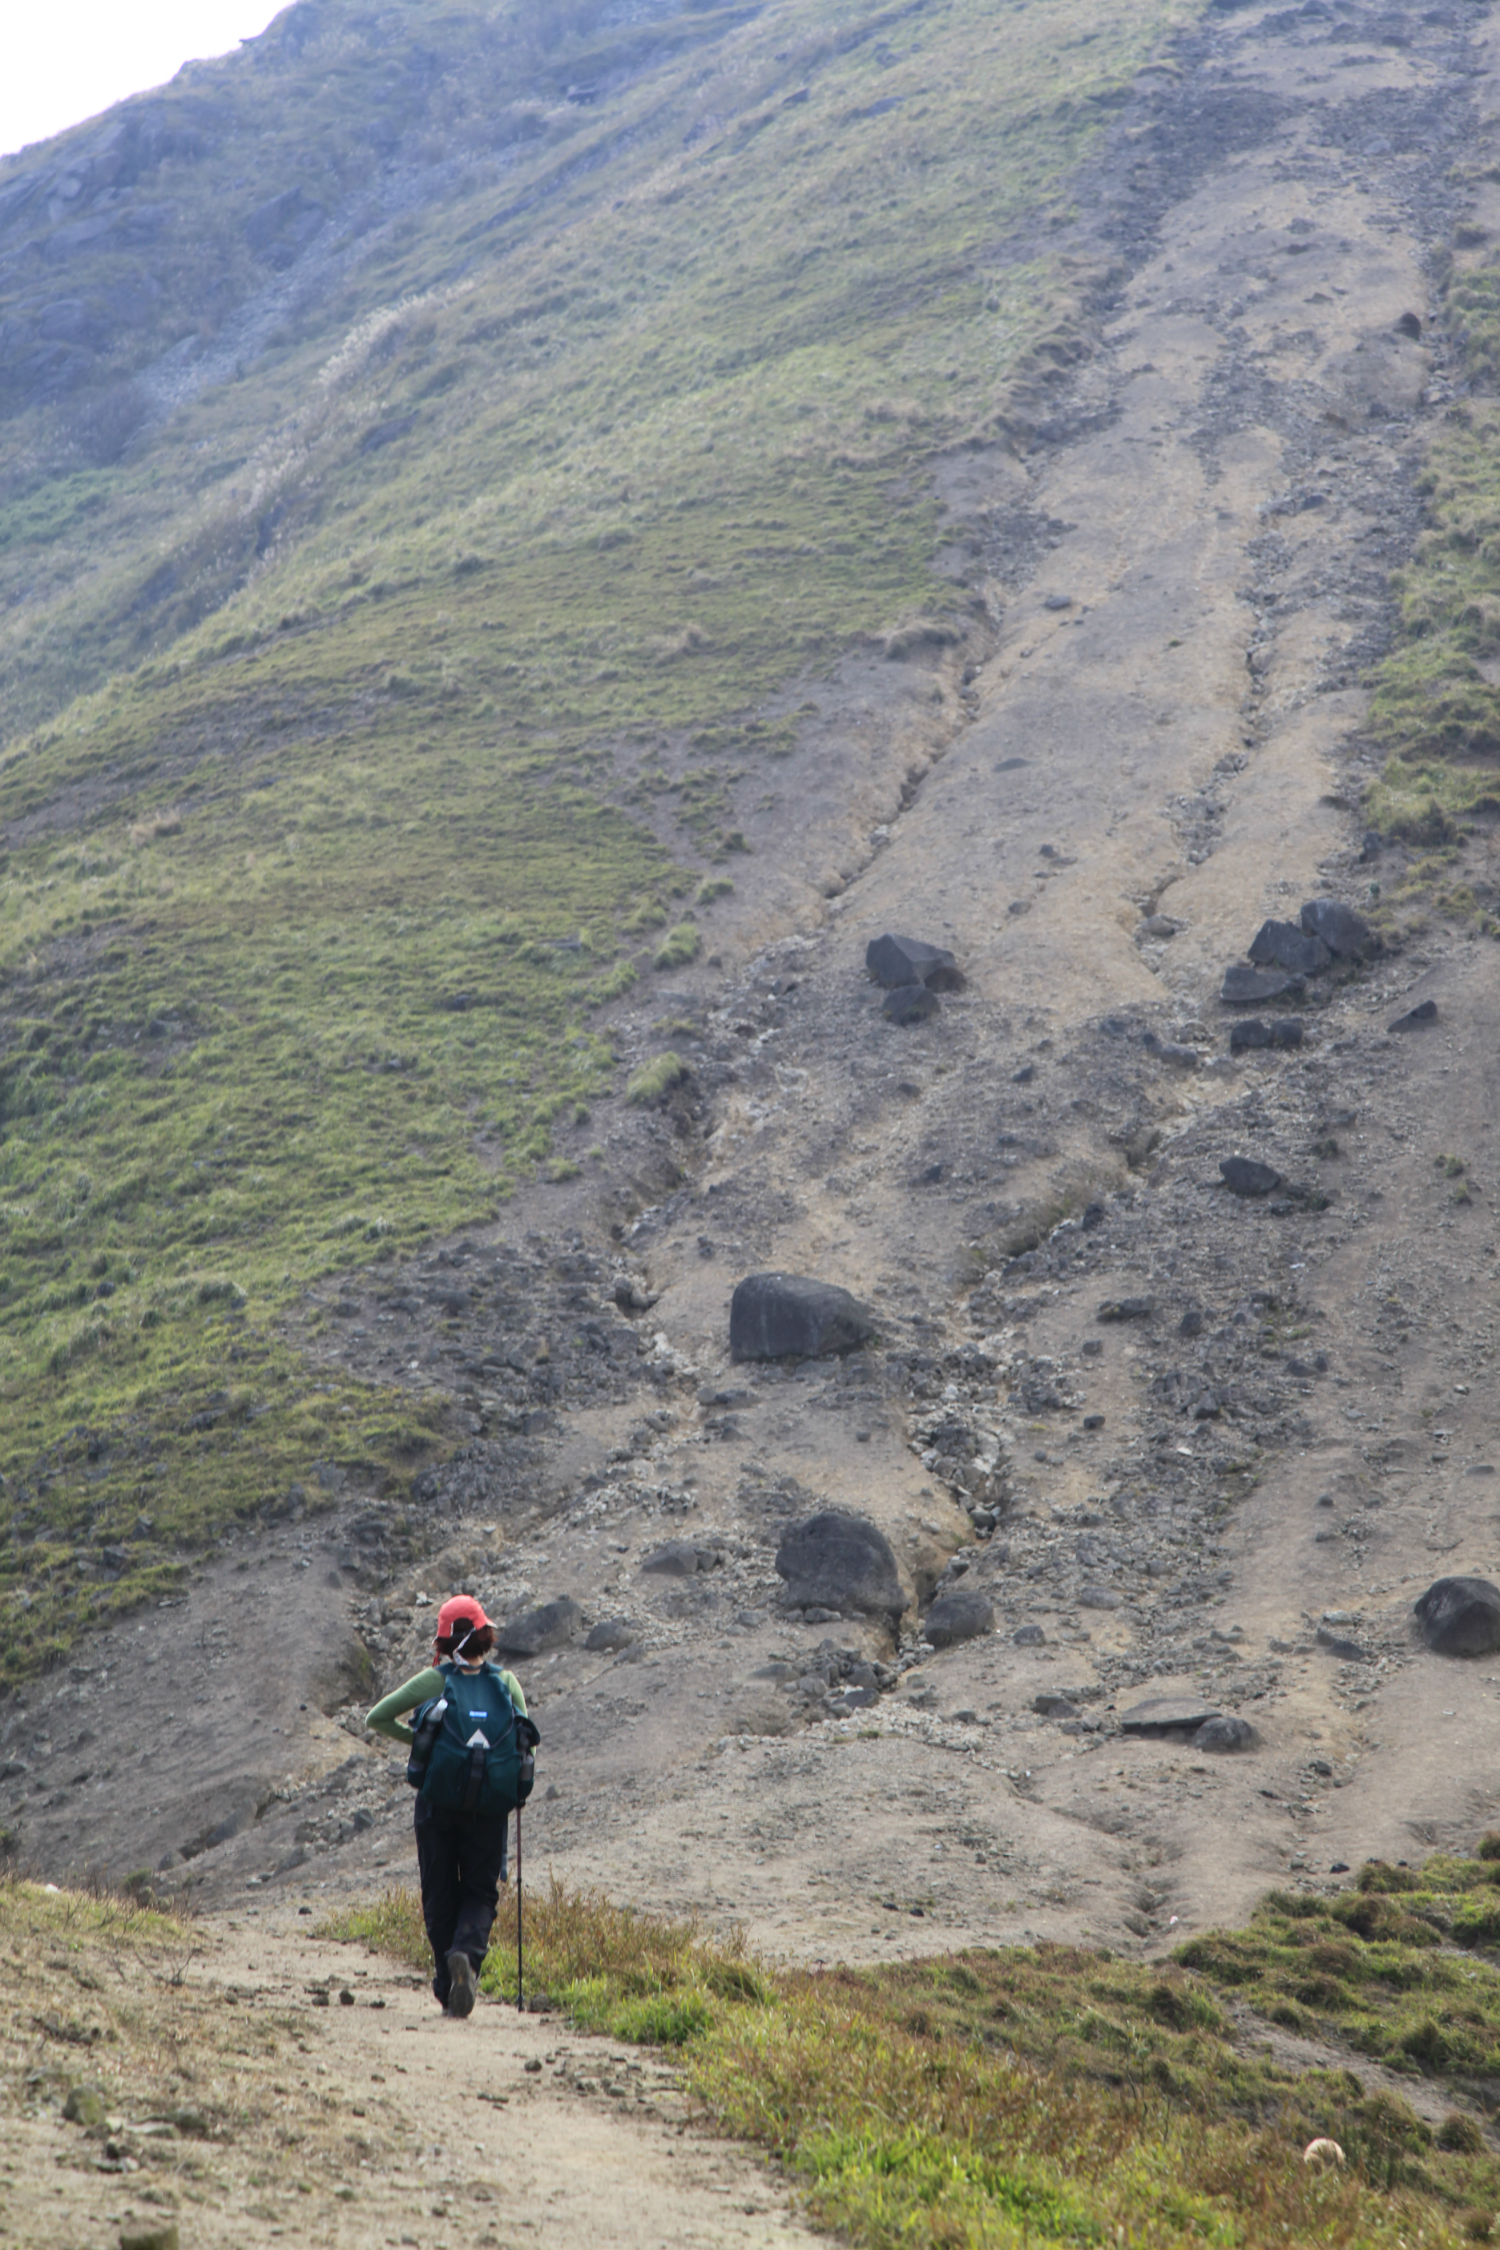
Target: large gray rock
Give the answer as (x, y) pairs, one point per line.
(840, 1562)
(1246, 988)
(894, 961)
(1244, 1176)
(1285, 945)
(910, 1003)
(1167, 1714)
(1226, 1734)
(1460, 1616)
(1342, 930)
(536, 1631)
(962, 1615)
(785, 1315)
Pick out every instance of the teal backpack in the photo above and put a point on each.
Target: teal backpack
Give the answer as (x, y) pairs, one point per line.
(471, 1748)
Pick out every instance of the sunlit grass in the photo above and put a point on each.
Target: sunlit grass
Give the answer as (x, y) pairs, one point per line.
(1042, 2094)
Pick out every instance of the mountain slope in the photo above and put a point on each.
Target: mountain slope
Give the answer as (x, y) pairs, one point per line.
(438, 443)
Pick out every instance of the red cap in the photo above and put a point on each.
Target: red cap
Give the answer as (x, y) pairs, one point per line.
(462, 1610)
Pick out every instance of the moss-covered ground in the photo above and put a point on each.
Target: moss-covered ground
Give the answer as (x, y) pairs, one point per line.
(1054, 2094)
(1437, 701)
(336, 695)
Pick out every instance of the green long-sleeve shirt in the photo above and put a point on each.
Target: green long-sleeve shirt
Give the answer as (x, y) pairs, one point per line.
(385, 1718)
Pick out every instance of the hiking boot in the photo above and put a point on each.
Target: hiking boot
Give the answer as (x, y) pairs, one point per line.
(462, 1986)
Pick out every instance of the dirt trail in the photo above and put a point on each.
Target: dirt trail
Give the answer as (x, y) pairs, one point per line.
(1185, 570)
(381, 2121)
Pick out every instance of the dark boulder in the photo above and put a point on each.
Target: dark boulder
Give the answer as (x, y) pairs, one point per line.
(1226, 1734)
(613, 1633)
(962, 1615)
(894, 961)
(1343, 931)
(1287, 1031)
(785, 1315)
(909, 1003)
(536, 1631)
(1126, 1308)
(1424, 1012)
(1245, 988)
(1285, 945)
(1244, 1176)
(840, 1562)
(1460, 1616)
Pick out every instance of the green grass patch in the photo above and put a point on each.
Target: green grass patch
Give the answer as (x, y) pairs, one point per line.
(1041, 2094)
(680, 945)
(655, 1079)
(1436, 705)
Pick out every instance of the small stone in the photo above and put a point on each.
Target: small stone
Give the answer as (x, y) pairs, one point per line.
(1460, 1616)
(1284, 945)
(1029, 1636)
(1024, 1075)
(962, 1615)
(1424, 1012)
(1287, 1031)
(1226, 1734)
(84, 2106)
(1243, 1175)
(1206, 1407)
(1342, 930)
(1092, 1216)
(1058, 601)
(346, 1998)
(1335, 1643)
(894, 961)
(1250, 1032)
(1191, 1323)
(784, 1315)
(155, 2234)
(1093, 1421)
(1100, 1597)
(1126, 1308)
(1159, 926)
(1053, 1706)
(612, 1633)
(1244, 987)
(679, 1558)
(909, 1003)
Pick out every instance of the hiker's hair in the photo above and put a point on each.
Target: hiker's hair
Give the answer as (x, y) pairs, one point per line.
(467, 1643)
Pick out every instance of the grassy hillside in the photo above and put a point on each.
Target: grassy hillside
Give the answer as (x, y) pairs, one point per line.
(409, 426)
(1058, 2095)
(1437, 702)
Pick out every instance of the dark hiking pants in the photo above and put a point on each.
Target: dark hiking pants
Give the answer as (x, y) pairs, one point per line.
(462, 1862)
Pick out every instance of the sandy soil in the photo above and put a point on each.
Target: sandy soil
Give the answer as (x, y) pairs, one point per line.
(1209, 504)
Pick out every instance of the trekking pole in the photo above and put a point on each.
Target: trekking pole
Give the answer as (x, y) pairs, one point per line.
(520, 1926)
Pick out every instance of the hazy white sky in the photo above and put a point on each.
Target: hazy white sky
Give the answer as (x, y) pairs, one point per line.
(64, 60)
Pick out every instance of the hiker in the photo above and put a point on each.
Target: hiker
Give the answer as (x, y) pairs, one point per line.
(470, 1763)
